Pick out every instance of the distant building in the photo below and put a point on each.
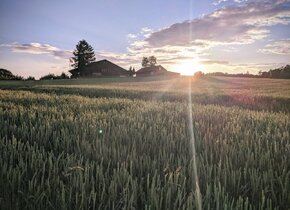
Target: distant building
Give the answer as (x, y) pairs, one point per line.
(155, 71)
(99, 69)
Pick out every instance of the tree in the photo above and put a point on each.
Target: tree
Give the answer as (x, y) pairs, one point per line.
(53, 76)
(48, 77)
(149, 61)
(7, 75)
(145, 62)
(280, 73)
(63, 76)
(83, 55)
(131, 71)
(30, 78)
(152, 61)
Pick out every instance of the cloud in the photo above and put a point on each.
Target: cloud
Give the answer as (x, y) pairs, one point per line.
(131, 36)
(242, 24)
(281, 47)
(123, 59)
(210, 62)
(145, 30)
(229, 27)
(217, 2)
(239, 1)
(37, 48)
(144, 33)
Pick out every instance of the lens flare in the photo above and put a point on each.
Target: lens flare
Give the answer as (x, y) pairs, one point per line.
(192, 142)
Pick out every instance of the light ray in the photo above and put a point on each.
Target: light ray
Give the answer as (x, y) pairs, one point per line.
(191, 131)
(192, 142)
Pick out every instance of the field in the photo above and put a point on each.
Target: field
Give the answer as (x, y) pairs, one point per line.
(127, 143)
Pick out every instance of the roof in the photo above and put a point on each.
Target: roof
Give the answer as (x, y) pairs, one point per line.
(100, 64)
(155, 70)
(150, 69)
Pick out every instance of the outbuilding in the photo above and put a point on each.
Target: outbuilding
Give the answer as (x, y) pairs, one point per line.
(100, 68)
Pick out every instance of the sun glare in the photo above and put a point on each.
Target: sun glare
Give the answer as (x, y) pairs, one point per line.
(189, 67)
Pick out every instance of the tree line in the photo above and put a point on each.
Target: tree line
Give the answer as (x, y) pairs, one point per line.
(278, 73)
(7, 75)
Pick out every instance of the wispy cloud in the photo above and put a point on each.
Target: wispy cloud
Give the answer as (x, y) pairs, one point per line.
(210, 62)
(217, 2)
(132, 36)
(281, 47)
(231, 25)
(144, 33)
(146, 30)
(37, 48)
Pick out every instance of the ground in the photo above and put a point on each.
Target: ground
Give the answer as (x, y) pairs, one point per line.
(125, 143)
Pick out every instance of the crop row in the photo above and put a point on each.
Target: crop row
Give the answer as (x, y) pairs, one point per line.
(73, 152)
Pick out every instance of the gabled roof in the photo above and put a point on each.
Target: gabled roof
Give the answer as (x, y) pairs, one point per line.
(104, 62)
(100, 64)
(151, 68)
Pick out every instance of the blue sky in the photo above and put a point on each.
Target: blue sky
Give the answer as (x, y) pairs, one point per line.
(37, 37)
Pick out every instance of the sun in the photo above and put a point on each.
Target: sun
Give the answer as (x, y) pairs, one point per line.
(188, 67)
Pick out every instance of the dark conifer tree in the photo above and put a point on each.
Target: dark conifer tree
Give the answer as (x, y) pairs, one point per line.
(83, 55)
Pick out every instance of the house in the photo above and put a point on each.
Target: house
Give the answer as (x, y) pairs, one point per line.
(99, 69)
(155, 71)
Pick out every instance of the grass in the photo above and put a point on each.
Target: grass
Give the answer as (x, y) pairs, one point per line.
(125, 144)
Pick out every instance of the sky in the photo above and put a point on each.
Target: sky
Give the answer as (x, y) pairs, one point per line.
(38, 37)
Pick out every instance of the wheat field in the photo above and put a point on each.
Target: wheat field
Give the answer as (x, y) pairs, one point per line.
(125, 144)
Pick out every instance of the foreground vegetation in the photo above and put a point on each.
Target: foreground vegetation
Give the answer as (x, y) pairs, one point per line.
(125, 144)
